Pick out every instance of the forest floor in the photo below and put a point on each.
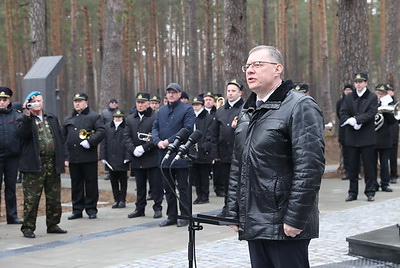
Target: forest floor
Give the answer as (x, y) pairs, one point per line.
(332, 152)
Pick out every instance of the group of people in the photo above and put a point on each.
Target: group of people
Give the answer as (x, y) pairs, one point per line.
(265, 154)
(368, 136)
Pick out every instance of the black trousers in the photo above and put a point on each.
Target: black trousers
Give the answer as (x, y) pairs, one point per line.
(8, 173)
(383, 156)
(119, 185)
(200, 178)
(279, 253)
(367, 154)
(84, 187)
(346, 160)
(179, 179)
(221, 176)
(153, 176)
(393, 160)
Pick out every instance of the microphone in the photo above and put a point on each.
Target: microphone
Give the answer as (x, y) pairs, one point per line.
(181, 136)
(184, 148)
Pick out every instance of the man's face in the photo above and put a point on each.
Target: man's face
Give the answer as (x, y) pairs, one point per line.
(173, 95)
(4, 102)
(347, 91)
(390, 92)
(263, 78)
(380, 94)
(209, 102)
(39, 99)
(80, 105)
(197, 107)
(141, 106)
(113, 105)
(360, 85)
(155, 105)
(233, 92)
(184, 100)
(118, 118)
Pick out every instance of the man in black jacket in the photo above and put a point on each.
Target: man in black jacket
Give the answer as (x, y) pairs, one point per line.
(278, 161)
(42, 162)
(226, 118)
(144, 153)
(357, 115)
(203, 151)
(83, 131)
(10, 150)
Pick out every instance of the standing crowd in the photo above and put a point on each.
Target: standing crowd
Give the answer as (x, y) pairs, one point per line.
(264, 155)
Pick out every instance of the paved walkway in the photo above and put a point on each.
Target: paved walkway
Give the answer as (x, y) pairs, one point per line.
(115, 241)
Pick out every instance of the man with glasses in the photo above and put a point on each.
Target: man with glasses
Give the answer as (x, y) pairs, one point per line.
(278, 161)
(171, 118)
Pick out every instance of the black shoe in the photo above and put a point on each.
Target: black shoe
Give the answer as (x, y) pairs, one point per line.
(351, 198)
(121, 204)
(92, 216)
(196, 201)
(167, 222)
(345, 178)
(115, 205)
(157, 214)
(75, 216)
(387, 189)
(182, 223)
(29, 234)
(204, 201)
(220, 194)
(56, 230)
(377, 188)
(136, 214)
(370, 198)
(15, 221)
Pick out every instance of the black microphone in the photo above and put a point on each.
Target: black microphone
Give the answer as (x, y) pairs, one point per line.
(181, 136)
(184, 148)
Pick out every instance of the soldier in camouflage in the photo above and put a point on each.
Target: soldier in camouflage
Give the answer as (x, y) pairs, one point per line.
(42, 162)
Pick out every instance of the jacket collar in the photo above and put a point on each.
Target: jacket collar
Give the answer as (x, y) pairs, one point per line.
(203, 114)
(236, 105)
(122, 125)
(364, 96)
(275, 100)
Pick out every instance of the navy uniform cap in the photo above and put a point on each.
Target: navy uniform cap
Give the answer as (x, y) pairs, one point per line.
(80, 96)
(5, 92)
(360, 77)
(142, 96)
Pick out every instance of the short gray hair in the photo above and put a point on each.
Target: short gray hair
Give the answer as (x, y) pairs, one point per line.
(272, 52)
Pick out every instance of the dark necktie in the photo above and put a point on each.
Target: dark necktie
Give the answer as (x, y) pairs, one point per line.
(259, 103)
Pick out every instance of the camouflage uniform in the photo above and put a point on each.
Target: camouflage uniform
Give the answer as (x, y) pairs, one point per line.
(47, 178)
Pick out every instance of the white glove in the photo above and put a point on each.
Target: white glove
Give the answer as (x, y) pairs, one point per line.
(357, 126)
(351, 121)
(85, 144)
(103, 161)
(138, 152)
(126, 161)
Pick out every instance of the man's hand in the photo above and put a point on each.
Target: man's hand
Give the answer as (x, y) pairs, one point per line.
(235, 227)
(163, 144)
(351, 121)
(291, 231)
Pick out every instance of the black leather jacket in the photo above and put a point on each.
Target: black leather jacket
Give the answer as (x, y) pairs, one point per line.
(277, 166)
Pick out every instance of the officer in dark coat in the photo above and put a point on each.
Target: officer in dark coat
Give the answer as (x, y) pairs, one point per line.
(226, 118)
(347, 89)
(395, 140)
(144, 154)
(10, 149)
(116, 158)
(42, 162)
(209, 103)
(203, 151)
(83, 131)
(357, 115)
(171, 118)
(383, 122)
